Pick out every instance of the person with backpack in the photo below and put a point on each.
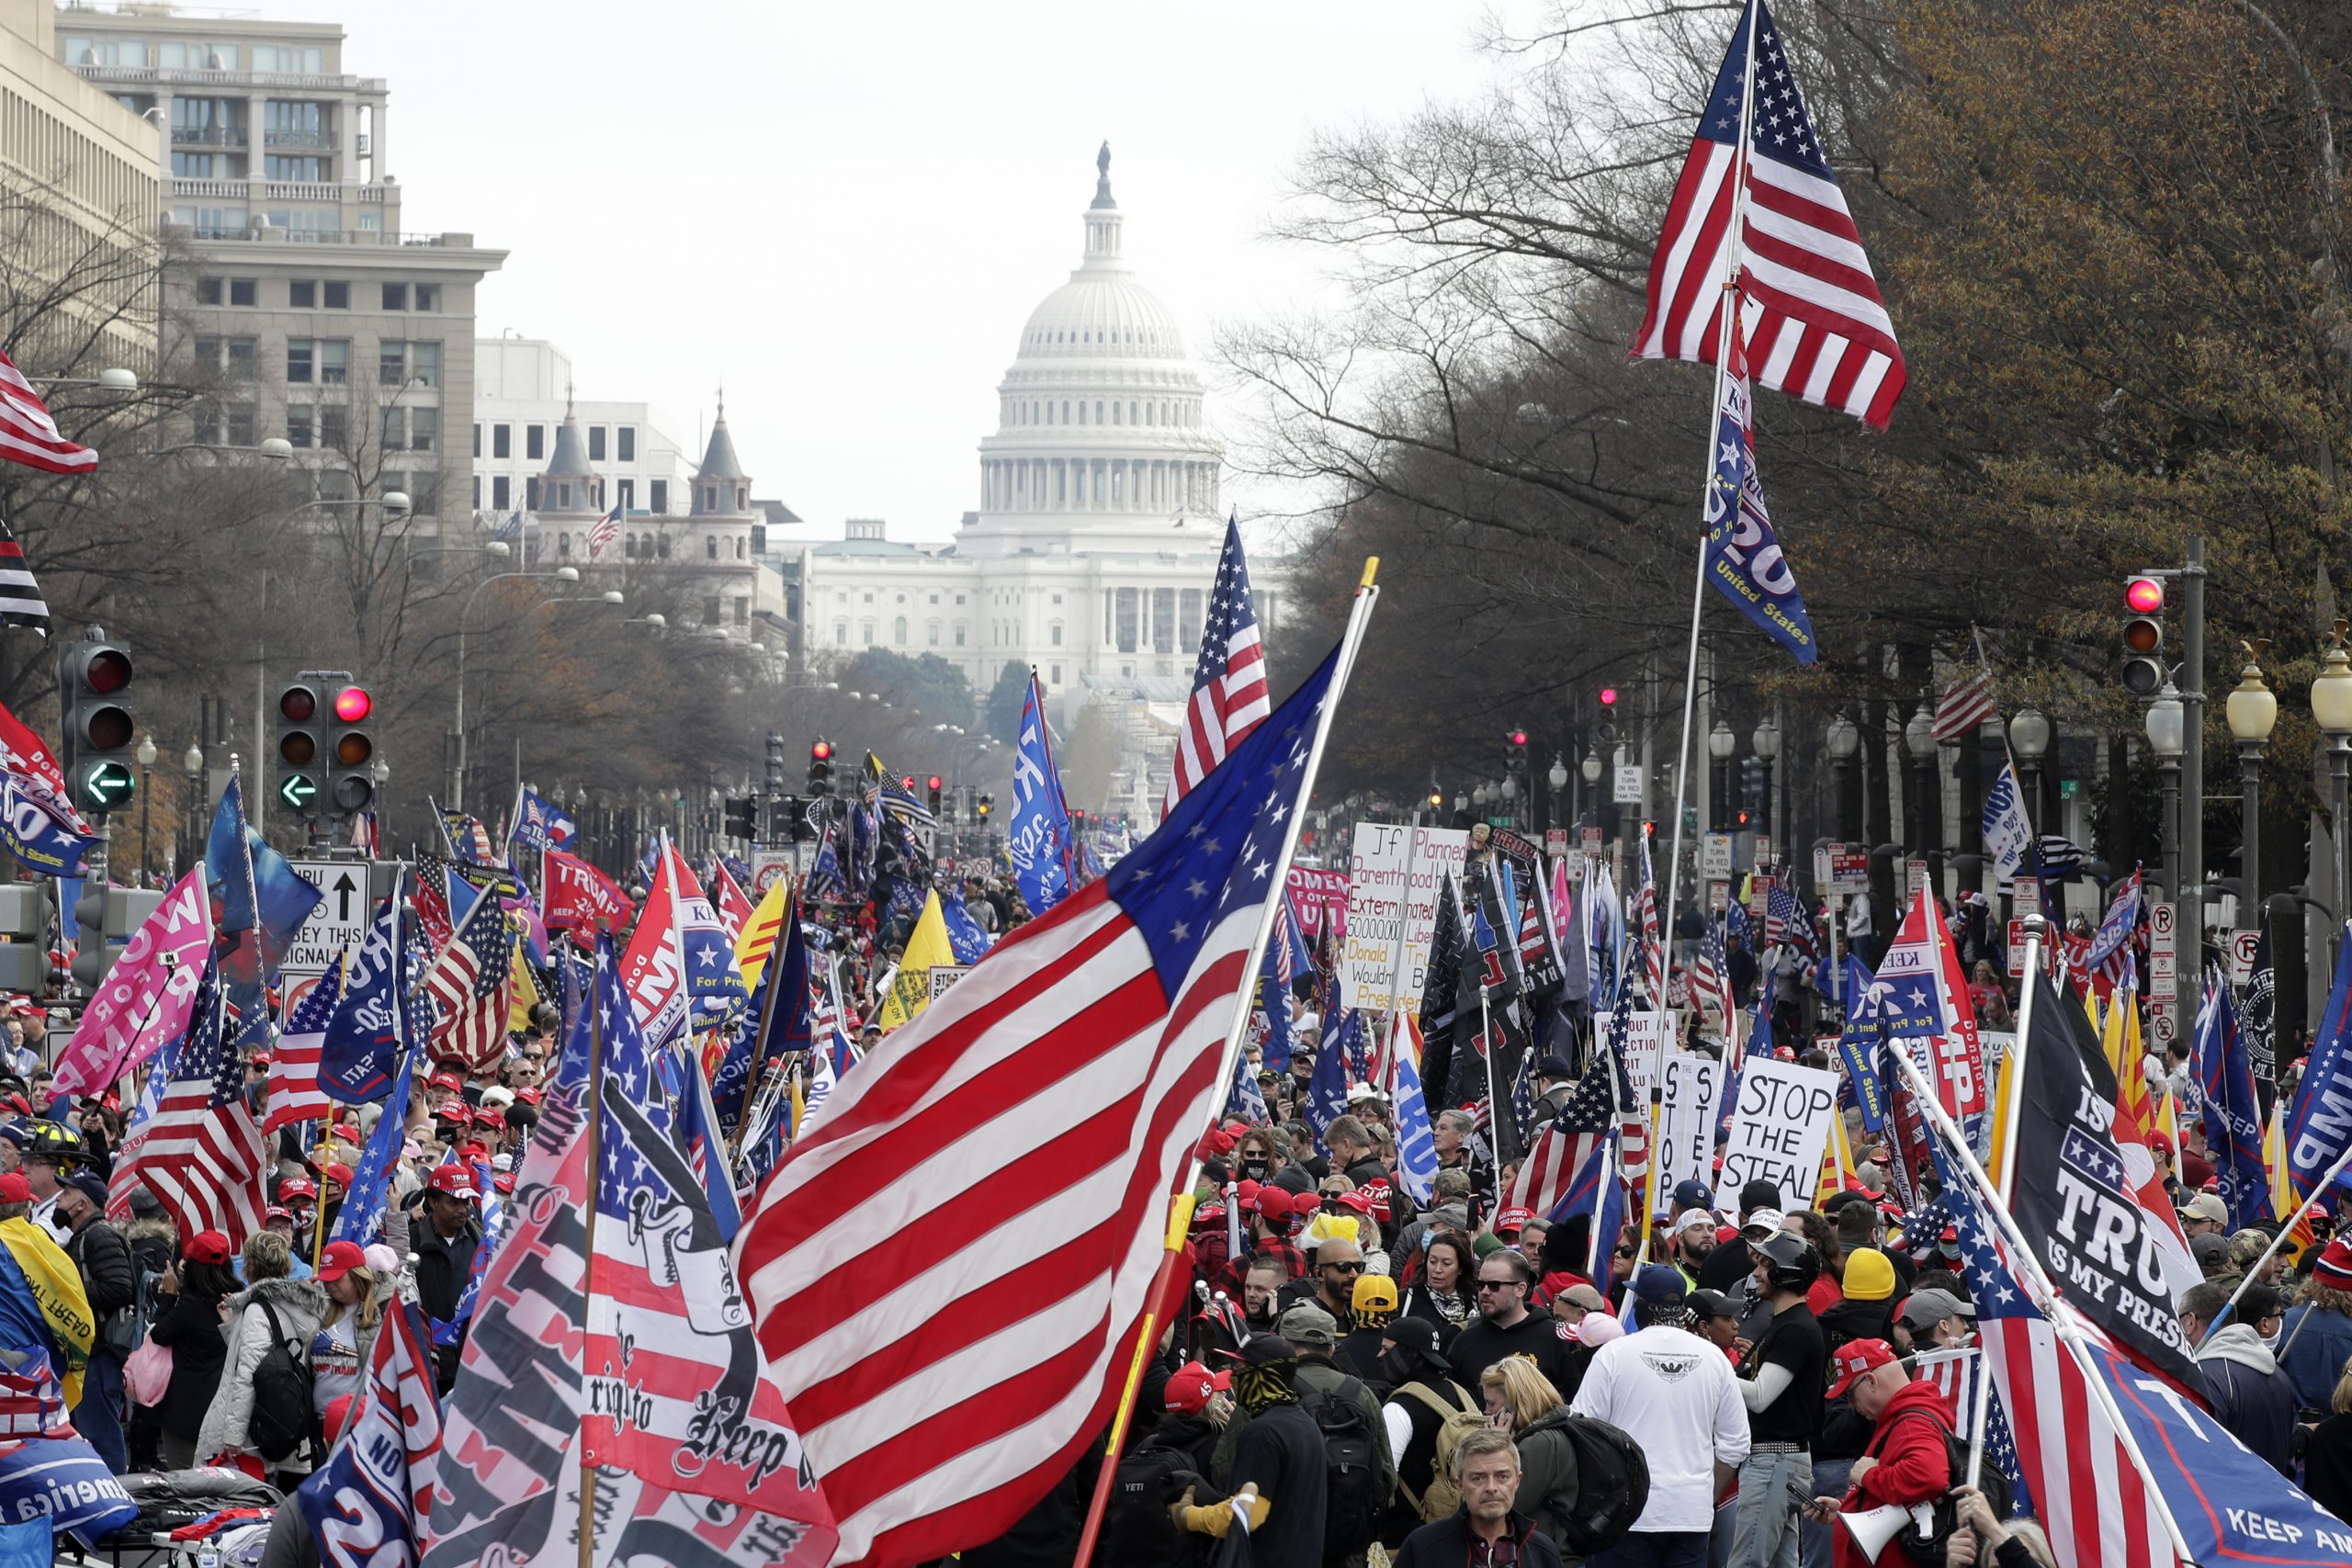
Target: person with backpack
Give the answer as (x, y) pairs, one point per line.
(1427, 1416)
(1279, 1470)
(1361, 1471)
(1486, 1529)
(1176, 1456)
(1908, 1460)
(263, 1407)
(98, 1250)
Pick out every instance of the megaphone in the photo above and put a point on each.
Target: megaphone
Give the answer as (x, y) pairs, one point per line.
(1875, 1527)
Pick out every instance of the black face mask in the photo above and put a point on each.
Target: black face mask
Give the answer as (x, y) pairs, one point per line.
(1254, 1168)
(1398, 1368)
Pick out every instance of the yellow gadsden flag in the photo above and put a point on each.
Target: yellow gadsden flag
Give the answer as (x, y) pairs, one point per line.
(927, 948)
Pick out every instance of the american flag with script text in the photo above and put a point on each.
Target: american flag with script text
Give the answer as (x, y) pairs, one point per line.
(1229, 696)
(1813, 323)
(202, 1153)
(945, 1377)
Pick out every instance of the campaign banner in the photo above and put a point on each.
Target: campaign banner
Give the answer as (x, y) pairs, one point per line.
(1780, 1129)
(581, 897)
(1539, 948)
(1690, 1097)
(38, 840)
(64, 1479)
(146, 997)
(1378, 900)
(1318, 900)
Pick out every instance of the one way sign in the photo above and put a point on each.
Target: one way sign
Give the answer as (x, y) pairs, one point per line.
(338, 920)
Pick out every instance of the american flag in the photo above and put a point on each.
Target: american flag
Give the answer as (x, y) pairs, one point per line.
(1711, 975)
(1813, 323)
(21, 601)
(1958, 1375)
(1567, 1143)
(602, 532)
(28, 433)
(202, 1153)
(1787, 922)
(1078, 1065)
(1229, 696)
(294, 1091)
(471, 984)
(1646, 922)
(1966, 706)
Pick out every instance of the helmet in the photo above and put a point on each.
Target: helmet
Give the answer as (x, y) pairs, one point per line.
(55, 1141)
(1790, 1262)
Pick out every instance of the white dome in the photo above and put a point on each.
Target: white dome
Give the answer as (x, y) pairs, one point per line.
(1099, 314)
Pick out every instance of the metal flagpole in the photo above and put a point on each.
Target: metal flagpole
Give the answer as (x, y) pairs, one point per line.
(1396, 958)
(2254, 1270)
(2005, 1133)
(2045, 1300)
(1728, 314)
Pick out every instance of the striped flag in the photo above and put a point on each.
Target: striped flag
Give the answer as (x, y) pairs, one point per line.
(1229, 697)
(1815, 325)
(21, 601)
(1566, 1147)
(1966, 706)
(602, 532)
(202, 1153)
(1076, 1066)
(294, 1091)
(471, 984)
(29, 435)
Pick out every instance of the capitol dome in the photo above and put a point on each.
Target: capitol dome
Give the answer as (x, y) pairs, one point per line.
(1099, 422)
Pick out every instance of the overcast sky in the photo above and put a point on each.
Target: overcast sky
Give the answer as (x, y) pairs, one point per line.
(845, 212)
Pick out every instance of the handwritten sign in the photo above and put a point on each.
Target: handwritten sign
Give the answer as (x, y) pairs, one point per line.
(1379, 900)
(1779, 1128)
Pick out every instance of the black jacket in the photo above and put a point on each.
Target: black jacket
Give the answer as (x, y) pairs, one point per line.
(188, 1324)
(1850, 1320)
(1449, 1544)
(2327, 1466)
(104, 1257)
(1281, 1450)
(1538, 1336)
(443, 1264)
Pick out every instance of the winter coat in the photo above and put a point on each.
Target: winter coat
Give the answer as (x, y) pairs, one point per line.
(1850, 1320)
(2327, 1465)
(2319, 1353)
(1914, 1462)
(189, 1326)
(2251, 1397)
(1547, 1473)
(1448, 1543)
(104, 1257)
(300, 1306)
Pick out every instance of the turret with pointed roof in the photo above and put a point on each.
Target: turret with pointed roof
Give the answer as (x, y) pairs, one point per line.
(568, 486)
(721, 487)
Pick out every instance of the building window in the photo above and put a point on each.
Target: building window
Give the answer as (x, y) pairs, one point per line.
(209, 290)
(244, 354)
(595, 442)
(335, 428)
(240, 424)
(428, 296)
(657, 495)
(1057, 675)
(742, 497)
(563, 545)
(865, 633)
(335, 361)
(298, 425)
(628, 493)
(531, 494)
(738, 549)
(299, 359)
(1054, 634)
(423, 430)
(1128, 605)
(335, 295)
(194, 166)
(395, 296)
(502, 441)
(626, 436)
(535, 442)
(501, 491)
(743, 610)
(931, 633)
(898, 631)
(629, 546)
(563, 496)
(662, 547)
(1163, 620)
(477, 438)
(477, 492)
(841, 634)
(245, 291)
(292, 60)
(710, 546)
(297, 170)
(959, 634)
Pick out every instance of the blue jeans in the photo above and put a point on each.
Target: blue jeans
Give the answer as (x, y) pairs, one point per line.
(1817, 1544)
(1773, 1489)
(1654, 1548)
(98, 1416)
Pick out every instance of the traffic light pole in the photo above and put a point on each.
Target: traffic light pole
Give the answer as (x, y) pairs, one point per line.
(2190, 893)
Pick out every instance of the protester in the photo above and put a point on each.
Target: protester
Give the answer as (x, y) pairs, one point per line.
(1781, 1384)
(1278, 1470)
(1906, 1461)
(273, 1308)
(1506, 1325)
(1447, 1294)
(355, 1307)
(1516, 1395)
(193, 1292)
(444, 1254)
(1371, 1308)
(2252, 1399)
(1424, 1402)
(2327, 1455)
(1487, 1530)
(1986, 1540)
(2320, 1325)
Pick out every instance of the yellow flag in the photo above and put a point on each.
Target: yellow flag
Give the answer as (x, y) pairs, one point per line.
(800, 1106)
(2003, 1082)
(2121, 1045)
(1837, 1163)
(56, 1285)
(758, 937)
(526, 993)
(926, 948)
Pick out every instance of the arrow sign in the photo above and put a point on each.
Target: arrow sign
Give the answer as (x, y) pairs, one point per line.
(106, 785)
(343, 888)
(297, 790)
(338, 919)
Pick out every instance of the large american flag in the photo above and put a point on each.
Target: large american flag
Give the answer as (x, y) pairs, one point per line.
(1966, 706)
(294, 1091)
(202, 1153)
(1565, 1145)
(472, 984)
(28, 433)
(1813, 323)
(945, 1377)
(602, 532)
(1229, 697)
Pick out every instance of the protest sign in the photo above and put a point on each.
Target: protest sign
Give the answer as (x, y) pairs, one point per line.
(1779, 1128)
(1378, 899)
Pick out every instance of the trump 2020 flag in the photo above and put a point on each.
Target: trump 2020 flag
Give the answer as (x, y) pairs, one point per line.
(540, 823)
(2007, 836)
(1744, 559)
(363, 1036)
(1039, 838)
(2231, 1114)
(2319, 1121)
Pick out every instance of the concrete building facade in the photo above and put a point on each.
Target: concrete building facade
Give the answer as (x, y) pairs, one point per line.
(522, 390)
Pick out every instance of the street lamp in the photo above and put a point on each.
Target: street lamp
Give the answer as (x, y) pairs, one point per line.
(2168, 733)
(1766, 744)
(2029, 742)
(192, 763)
(1558, 779)
(146, 755)
(1720, 744)
(2252, 710)
(1919, 739)
(1844, 740)
(561, 574)
(2331, 708)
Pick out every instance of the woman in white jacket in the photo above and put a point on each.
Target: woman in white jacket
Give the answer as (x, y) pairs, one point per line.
(300, 1307)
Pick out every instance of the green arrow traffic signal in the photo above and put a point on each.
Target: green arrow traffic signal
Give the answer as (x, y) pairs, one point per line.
(106, 785)
(297, 790)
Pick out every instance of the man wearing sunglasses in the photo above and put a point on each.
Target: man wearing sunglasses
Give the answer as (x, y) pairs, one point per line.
(1331, 1281)
(1508, 1325)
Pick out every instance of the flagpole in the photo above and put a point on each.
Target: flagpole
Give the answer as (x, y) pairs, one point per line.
(2005, 1131)
(2046, 1300)
(1181, 1206)
(587, 1527)
(1727, 315)
(2325, 1185)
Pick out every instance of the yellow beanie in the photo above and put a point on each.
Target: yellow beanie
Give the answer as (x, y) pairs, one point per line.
(1869, 1276)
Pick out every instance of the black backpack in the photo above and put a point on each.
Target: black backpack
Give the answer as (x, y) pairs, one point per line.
(1355, 1489)
(1931, 1549)
(1612, 1485)
(281, 1417)
(1135, 1521)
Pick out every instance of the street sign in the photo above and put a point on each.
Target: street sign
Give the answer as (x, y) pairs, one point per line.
(2017, 947)
(767, 866)
(1628, 784)
(297, 790)
(1718, 895)
(2027, 893)
(2164, 950)
(1849, 868)
(1591, 839)
(339, 919)
(1914, 877)
(1763, 852)
(2163, 1026)
(1714, 857)
(1556, 842)
(2242, 946)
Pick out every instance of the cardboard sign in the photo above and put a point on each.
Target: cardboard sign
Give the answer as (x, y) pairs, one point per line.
(940, 976)
(1378, 900)
(1691, 1091)
(1645, 1037)
(1780, 1129)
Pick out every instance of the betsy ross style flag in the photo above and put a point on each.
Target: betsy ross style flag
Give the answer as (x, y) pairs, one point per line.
(1229, 697)
(28, 433)
(1815, 325)
(1076, 1066)
(21, 601)
(202, 1152)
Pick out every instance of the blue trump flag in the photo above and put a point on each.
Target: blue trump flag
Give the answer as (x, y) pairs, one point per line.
(1416, 1142)
(2319, 1124)
(2233, 1115)
(1327, 1091)
(255, 888)
(787, 1026)
(1859, 1045)
(1744, 559)
(965, 937)
(1039, 838)
(38, 838)
(1245, 1100)
(540, 823)
(363, 1038)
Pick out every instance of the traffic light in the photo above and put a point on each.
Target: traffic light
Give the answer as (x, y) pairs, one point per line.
(298, 777)
(787, 819)
(820, 768)
(107, 916)
(934, 783)
(1607, 729)
(1515, 753)
(2143, 636)
(351, 745)
(24, 935)
(742, 817)
(775, 764)
(1437, 798)
(1753, 790)
(988, 804)
(94, 699)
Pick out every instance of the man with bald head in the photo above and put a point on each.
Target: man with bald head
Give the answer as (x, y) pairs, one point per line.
(1330, 1281)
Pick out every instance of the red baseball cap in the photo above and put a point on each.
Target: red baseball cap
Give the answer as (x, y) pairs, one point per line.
(490, 1116)
(14, 1188)
(449, 1083)
(1512, 1219)
(1190, 1386)
(1356, 1200)
(276, 1212)
(340, 1259)
(258, 1059)
(1855, 1359)
(1208, 1215)
(296, 1187)
(338, 1173)
(453, 1111)
(527, 1096)
(455, 1179)
(204, 1246)
(346, 1132)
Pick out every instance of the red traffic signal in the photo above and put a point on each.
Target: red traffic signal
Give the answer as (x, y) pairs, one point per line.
(1608, 696)
(933, 783)
(821, 751)
(353, 704)
(2144, 594)
(907, 783)
(107, 671)
(1518, 737)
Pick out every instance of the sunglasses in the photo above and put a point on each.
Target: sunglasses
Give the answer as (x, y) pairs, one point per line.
(1346, 1267)
(1629, 1252)
(1497, 1285)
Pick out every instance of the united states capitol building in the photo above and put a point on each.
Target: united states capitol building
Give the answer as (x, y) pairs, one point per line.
(1096, 538)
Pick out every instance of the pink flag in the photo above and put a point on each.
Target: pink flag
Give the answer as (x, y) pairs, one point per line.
(145, 997)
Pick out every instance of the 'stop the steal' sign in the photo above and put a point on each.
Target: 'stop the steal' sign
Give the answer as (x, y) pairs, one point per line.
(1780, 1129)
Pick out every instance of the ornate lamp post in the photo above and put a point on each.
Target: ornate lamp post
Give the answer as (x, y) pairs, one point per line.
(2166, 725)
(1844, 740)
(2332, 708)
(2253, 710)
